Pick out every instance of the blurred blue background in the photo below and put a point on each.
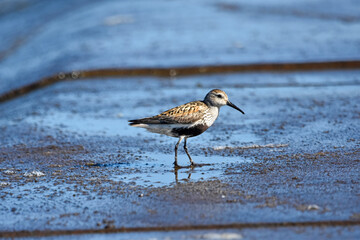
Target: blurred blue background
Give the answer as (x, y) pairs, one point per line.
(40, 38)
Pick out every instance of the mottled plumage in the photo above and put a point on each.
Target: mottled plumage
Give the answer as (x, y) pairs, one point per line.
(187, 120)
(183, 114)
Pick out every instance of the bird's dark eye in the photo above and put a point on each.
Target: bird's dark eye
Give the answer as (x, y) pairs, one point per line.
(219, 95)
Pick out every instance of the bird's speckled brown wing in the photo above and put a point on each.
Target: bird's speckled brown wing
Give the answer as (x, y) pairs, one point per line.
(184, 114)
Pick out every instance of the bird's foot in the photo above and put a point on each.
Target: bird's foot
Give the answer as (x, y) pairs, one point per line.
(176, 166)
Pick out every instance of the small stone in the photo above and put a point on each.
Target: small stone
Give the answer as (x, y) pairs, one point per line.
(313, 207)
(3, 184)
(9, 172)
(34, 174)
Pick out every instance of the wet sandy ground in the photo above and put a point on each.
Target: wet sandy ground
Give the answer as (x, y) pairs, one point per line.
(69, 161)
(71, 167)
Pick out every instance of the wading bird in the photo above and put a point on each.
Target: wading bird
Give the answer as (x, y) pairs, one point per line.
(187, 120)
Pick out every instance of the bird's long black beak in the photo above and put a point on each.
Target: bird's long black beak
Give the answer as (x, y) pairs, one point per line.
(233, 106)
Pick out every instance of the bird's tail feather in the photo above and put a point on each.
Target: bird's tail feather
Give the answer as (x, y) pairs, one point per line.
(134, 122)
(145, 121)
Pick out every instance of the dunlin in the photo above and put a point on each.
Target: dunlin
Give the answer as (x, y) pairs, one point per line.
(187, 120)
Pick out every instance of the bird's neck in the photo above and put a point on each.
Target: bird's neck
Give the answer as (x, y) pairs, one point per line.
(209, 104)
(211, 115)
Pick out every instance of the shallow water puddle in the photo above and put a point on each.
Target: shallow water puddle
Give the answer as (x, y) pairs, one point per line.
(159, 171)
(110, 126)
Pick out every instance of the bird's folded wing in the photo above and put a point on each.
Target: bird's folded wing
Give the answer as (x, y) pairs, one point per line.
(184, 114)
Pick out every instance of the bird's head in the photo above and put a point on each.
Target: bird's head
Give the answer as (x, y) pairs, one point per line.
(218, 98)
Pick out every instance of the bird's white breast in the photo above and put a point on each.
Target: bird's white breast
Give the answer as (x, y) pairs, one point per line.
(210, 116)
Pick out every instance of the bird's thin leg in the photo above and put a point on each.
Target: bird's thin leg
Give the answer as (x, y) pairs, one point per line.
(193, 164)
(186, 150)
(176, 148)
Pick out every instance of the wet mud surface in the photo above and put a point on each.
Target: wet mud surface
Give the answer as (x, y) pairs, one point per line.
(74, 72)
(259, 233)
(69, 161)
